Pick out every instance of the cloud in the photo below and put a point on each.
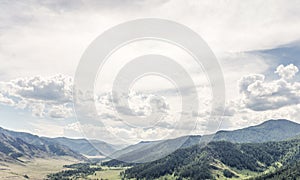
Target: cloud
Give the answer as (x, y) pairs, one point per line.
(43, 96)
(56, 89)
(260, 95)
(73, 127)
(60, 111)
(36, 39)
(31, 31)
(5, 100)
(52, 97)
(286, 72)
(141, 104)
(261, 98)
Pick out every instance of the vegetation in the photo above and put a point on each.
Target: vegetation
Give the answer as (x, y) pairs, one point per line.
(272, 130)
(88, 171)
(114, 173)
(117, 163)
(80, 170)
(227, 173)
(22, 153)
(290, 171)
(232, 160)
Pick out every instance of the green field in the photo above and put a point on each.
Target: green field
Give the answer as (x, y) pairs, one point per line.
(107, 173)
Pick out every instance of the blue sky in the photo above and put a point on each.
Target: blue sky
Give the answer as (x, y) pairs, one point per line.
(41, 44)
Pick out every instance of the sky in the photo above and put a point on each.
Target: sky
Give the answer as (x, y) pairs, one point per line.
(257, 44)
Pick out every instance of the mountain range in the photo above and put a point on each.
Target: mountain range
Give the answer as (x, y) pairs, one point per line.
(264, 151)
(271, 130)
(14, 145)
(224, 160)
(86, 147)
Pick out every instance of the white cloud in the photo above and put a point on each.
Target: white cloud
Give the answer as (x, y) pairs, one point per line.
(52, 97)
(46, 128)
(44, 96)
(287, 72)
(260, 95)
(74, 127)
(49, 37)
(260, 99)
(5, 100)
(37, 109)
(60, 111)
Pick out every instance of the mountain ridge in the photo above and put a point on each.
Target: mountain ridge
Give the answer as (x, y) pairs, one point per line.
(81, 145)
(270, 130)
(222, 160)
(14, 146)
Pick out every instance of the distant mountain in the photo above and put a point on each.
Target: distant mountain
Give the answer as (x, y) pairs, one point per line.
(19, 144)
(222, 160)
(83, 146)
(271, 130)
(11, 149)
(146, 151)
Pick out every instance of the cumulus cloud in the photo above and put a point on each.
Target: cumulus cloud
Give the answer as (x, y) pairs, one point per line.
(139, 104)
(287, 72)
(110, 119)
(5, 100)
(26, 27)
(73, 127)
(57, 88)
(44, 96)
(260, 95)
(52, 97)
(60, 111)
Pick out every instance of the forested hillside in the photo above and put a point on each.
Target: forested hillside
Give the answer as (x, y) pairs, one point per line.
(271, 130)
(222, 160)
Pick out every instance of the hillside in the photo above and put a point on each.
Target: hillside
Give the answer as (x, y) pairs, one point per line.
(75, 147)
(19, 144)
(11, 149)
(83, 146)
(290, 171)
(220, 160)
(271, 130)
(146, 151)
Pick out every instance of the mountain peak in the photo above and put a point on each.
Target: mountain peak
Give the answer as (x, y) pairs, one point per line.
(279, 121)
(270, 130)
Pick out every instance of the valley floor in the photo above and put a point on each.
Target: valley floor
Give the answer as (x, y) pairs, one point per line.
(107, 173)
(37, 168)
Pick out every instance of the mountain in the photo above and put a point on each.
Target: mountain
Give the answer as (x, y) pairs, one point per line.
(221, 160)
(14, 145)
(83, 146)
(11, 149)
(271, 130)
(149, 150)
